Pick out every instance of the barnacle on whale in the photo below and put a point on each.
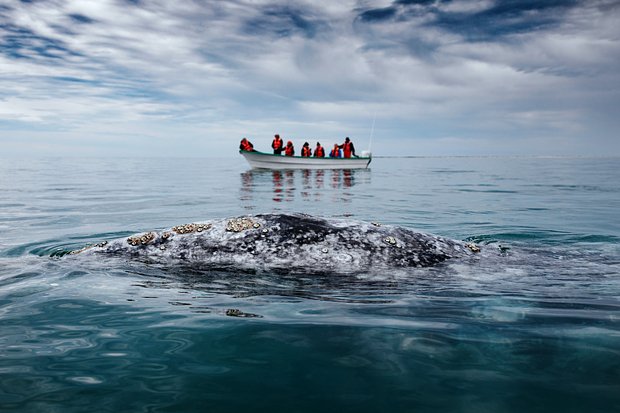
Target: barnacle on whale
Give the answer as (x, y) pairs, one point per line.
(141, 239)
(473, 247)
(190, 228)
(241, 224)
(390, 240)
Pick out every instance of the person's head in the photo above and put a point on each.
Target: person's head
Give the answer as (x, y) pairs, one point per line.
(347, 139)
(243, 140)
(277, 136)
(306, 144)
(289, 143)
(318, 144)
(335, 146)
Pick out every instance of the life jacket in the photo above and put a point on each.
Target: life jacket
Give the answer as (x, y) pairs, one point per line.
(346, 147)
(305, 151)
(335, 153)
(289, 150)
(277, 143)
(319, 152)
(245, 145)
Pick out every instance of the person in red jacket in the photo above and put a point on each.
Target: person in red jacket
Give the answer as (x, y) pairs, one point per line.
(290, 149)
(335, 153)
(306, 152)
(277, 145)
(246, 145)
(319, 152)
(347, 148)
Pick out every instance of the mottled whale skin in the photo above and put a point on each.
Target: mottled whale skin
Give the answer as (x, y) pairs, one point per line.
(283, 242)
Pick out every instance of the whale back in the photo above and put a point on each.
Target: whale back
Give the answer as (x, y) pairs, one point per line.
(287, 242)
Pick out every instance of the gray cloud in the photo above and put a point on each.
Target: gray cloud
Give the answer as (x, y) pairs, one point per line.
(506, 73)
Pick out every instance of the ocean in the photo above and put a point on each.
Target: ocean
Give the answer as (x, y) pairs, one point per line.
(536, 329)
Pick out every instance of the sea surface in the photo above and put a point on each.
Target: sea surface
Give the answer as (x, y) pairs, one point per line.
(535, 330)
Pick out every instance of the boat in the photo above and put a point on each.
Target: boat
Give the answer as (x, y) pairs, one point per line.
(261, 160)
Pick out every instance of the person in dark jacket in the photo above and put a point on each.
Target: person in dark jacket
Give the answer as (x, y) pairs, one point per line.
(319, 152)
(246, 145)
(306, 152)
(347, 148)
(277, 145)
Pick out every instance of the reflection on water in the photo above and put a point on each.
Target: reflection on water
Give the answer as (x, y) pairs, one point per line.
(305, 185)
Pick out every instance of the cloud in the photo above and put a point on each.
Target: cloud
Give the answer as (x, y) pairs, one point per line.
(499, 71)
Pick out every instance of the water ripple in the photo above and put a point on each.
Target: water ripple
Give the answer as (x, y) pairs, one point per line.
(535, 328)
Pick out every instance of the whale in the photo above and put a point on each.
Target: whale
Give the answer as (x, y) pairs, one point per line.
(285, 243)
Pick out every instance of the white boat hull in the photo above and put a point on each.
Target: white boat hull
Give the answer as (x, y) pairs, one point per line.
(260, 160)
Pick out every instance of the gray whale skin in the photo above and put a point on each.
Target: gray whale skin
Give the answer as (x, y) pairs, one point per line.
(283, 242)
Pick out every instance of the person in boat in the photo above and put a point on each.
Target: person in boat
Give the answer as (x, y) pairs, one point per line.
(319, 152)
(246, 145)
(347, 148)
(306, 152)
(290, 149)
(277, 145)
(335, 153)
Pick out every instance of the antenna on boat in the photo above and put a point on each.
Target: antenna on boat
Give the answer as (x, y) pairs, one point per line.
(372, 131)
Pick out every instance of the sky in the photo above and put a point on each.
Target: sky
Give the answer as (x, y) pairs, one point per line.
(190, 78)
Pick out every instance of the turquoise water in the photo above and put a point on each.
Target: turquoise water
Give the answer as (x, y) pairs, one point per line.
(535, 329)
